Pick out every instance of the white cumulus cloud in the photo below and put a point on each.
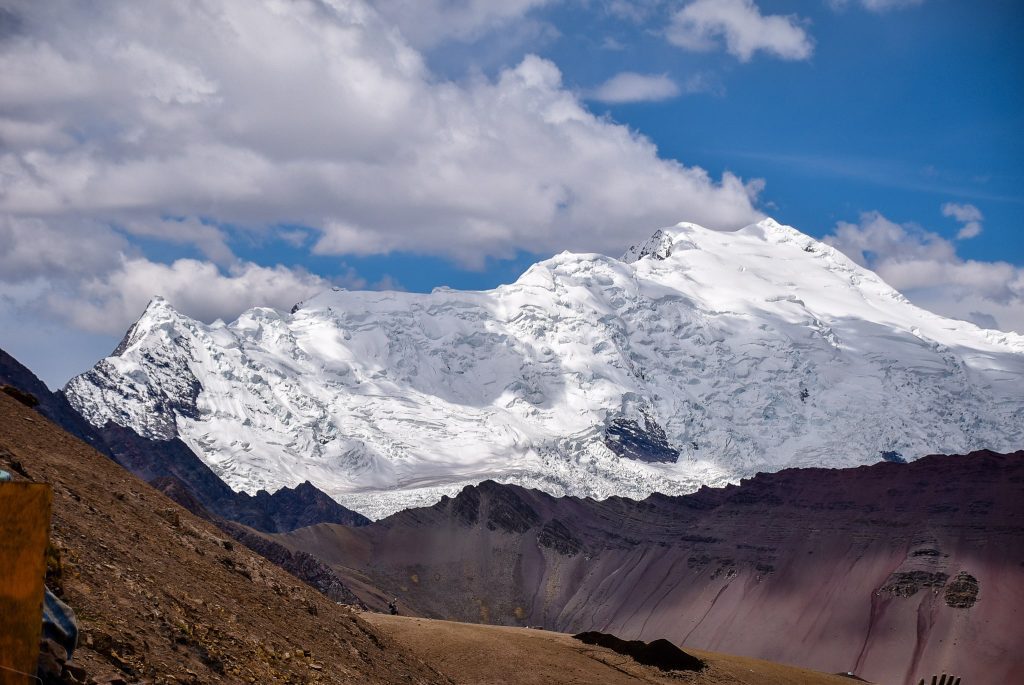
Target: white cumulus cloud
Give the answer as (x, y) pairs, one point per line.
(925, 267)
(92, 277)
(111, 302)
(702, 24)
(968, 215)
(629, 86)
(256, 114)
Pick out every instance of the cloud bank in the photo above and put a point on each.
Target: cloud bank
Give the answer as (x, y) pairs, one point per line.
(926, 268)
(261, 114)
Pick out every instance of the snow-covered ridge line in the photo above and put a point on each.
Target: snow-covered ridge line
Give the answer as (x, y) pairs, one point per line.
(699, 357)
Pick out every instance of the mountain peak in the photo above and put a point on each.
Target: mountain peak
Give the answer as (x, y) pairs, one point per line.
(157, 306)
(733, 352)
(658, 246)
(771, 231)
(663, 241)
(158, 312)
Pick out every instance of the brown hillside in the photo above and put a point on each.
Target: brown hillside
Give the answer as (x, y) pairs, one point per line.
(165, 597)
(496, 655)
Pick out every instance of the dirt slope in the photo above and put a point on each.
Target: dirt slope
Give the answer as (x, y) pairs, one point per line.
(164, 597)
(892, 571)
(474, 655)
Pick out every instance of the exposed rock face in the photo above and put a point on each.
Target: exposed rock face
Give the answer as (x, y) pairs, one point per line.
(556, 536)
(658, 246)
(908, 583)
(873, 570)
(171, 389)
(26, 398)
(288, 509)
(506, 510)
(284, 510)
(962, 592)
(627, 438)
(161, 405)
(302, 565)
(52, 405)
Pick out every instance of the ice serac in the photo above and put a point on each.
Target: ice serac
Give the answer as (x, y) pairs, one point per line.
(699, 358)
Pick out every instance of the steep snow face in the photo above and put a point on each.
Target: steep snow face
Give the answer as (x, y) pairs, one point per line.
(698, 358)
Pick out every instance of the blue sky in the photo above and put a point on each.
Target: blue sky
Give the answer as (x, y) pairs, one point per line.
(249, 154)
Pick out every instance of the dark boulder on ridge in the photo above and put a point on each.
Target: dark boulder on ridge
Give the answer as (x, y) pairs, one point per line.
(661, 654)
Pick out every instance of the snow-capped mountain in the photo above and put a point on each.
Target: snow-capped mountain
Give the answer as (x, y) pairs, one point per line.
(697, 358)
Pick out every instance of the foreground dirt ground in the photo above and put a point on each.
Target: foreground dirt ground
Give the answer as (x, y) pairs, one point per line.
(472, 654)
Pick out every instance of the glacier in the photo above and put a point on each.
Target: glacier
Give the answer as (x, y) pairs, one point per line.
(698, 358)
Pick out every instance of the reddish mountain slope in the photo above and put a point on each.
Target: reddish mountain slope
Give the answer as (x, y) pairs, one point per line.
(892, 571)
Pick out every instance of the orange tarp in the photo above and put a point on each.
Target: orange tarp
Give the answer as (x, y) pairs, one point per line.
(24, 531)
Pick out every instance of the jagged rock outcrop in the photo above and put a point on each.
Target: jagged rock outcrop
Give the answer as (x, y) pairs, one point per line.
(962, 591)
